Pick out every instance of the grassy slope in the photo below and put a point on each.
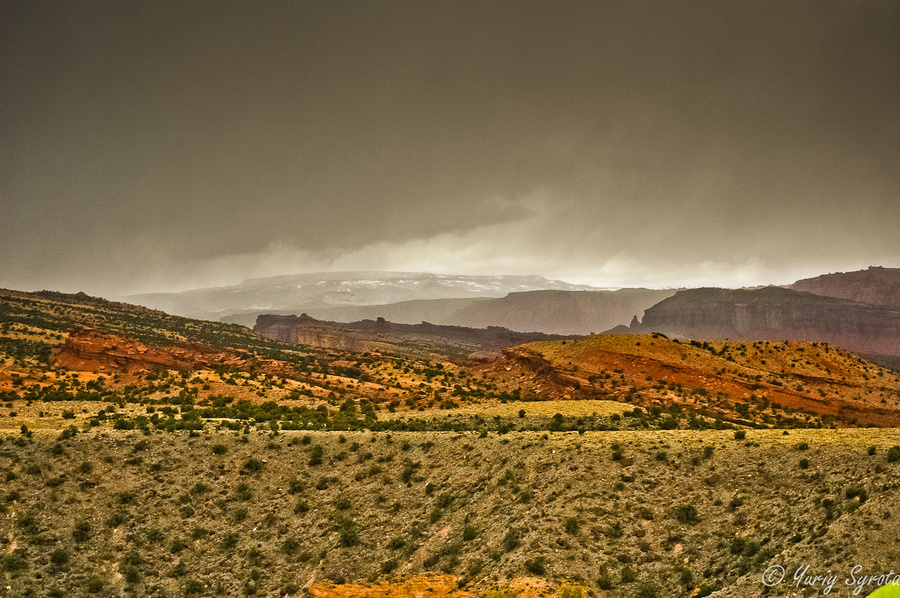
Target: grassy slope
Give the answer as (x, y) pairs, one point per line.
(164, 513)
(811, 376)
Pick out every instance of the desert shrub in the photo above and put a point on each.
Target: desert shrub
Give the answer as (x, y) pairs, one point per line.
(740, 434)
(536, 566)
(469, 533)
(252, 465)
(243, 491)
(295, 487)
(614, 531)
(605, 582)
(511, 540)
(571, 525)
(804, 464)
(230, 540)
(872, 450)
(315, 455)
(116, 519)
(686, 578)
(856, 492)
(86, 467)
(409, 469)
(59, 557)
(708, 452)
(647, 590)
(301, 506)
(193, 586)
(803, 446)
(240, 514)
(154, 536)
(82, 531)
(645, 513)
(290, 546)
(342, 503)
(15, 561)
(893, 454)
(443, 500)
(219, 449)
(177, 545)
(397, 543)
(685, 514)
(662, 456)
(95, 585)
(628, 575)
(347, 534)
(199, 533)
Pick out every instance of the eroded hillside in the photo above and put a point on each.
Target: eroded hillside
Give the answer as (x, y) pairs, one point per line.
(749, 380)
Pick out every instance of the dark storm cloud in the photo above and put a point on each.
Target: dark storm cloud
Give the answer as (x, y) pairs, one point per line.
(168, 143)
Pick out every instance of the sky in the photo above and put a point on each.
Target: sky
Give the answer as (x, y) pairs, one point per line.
(166, 145)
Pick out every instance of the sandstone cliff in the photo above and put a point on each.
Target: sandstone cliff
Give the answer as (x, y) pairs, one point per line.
(418, 340)
(877, 286)
(87, 349)
(775, 313)
(559, 312)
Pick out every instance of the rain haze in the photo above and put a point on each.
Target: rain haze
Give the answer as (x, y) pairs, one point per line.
(162, 146)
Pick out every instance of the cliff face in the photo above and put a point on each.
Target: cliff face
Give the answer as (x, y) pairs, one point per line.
(417, 340)
(775, 313)
(876, 286)
(87, 349)
(559, 312)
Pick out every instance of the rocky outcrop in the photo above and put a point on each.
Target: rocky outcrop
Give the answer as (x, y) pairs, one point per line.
(775, 313)
(876, 286)
(417, 340)
(88, 349)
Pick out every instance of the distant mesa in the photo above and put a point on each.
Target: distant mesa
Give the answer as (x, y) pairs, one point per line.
(875, 286)
(559, 312)
(775, 313)
(379, 335)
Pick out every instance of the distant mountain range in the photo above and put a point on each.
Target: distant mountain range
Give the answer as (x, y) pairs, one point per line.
(559, 312)
(322, 291)
(859, 311)
(549, 312)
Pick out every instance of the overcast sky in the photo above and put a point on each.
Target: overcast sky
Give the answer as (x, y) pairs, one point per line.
(168, 144)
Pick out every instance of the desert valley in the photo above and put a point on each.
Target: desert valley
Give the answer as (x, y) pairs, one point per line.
(680, 453)
(417, 299)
